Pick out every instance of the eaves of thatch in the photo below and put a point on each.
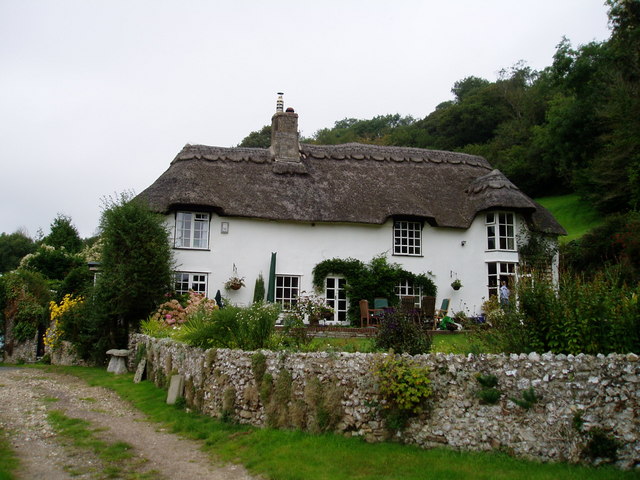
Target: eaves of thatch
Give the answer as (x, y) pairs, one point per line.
(350, 183)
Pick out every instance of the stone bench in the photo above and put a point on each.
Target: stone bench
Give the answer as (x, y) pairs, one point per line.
(118, 361)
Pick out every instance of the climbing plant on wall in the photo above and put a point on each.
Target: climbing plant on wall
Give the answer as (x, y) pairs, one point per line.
(378, 278)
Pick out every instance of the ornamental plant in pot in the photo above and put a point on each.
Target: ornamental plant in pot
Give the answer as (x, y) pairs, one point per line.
(234, 283)
(456, 284)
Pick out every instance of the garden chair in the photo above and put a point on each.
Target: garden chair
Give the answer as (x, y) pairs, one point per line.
(441, 313)
(369, 317)
(427, 310)
(380, 303)
(408, 307)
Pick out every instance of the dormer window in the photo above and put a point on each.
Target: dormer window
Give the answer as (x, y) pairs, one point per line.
(501, 231)
(407, 238)
(192, 230)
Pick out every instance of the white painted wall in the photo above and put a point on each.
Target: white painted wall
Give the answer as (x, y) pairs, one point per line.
(300, 246)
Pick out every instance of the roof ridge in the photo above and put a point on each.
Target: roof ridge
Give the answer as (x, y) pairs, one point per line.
(345, 151)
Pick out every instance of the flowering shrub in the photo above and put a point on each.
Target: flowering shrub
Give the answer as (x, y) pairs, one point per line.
(174, 313)
(310, 307)
(58, 312)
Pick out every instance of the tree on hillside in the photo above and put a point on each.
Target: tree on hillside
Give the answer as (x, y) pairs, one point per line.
(612, 180)
(258, 139)
(13, 247)
(136, 270)
(64, 234)
(374, 131)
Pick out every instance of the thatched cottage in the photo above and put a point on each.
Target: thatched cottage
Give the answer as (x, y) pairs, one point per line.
(448, 214)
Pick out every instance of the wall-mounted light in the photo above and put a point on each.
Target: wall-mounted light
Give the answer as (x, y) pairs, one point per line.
(224, 227)
(463, 243)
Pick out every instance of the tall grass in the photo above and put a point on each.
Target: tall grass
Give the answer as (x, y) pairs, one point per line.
(294, 455)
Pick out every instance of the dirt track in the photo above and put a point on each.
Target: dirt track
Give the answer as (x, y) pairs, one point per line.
(26, 395)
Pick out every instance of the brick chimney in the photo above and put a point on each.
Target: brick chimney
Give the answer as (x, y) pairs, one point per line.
(285, 146)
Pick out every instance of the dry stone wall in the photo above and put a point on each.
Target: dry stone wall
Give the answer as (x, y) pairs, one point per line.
(338, 392)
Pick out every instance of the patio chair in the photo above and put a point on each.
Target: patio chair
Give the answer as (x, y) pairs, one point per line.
(380, 303)
(427, 310)
(408, 308)
(369, 316)
(441, 313)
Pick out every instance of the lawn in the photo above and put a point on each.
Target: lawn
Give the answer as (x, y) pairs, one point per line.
(293, 455)
(443, 343)
(576, 216)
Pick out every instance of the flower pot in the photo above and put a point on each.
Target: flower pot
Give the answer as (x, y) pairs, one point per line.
(235, 286)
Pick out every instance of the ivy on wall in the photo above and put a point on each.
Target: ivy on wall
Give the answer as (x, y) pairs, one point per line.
(376, 279)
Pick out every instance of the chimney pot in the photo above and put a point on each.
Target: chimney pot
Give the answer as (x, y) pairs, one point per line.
(280, 102)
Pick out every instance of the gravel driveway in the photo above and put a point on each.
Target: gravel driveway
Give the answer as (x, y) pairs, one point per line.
(27, 394)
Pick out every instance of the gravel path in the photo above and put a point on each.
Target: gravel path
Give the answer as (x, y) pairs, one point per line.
(27, 394)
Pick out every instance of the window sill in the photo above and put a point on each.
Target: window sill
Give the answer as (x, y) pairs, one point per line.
(192, 248)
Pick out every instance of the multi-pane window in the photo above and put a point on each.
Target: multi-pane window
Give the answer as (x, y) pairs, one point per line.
(407, 238)
(287, 290)
(500, 231)
(499, 272)
(406, 289)
(192, 230)
(336, 297)
(190, 281)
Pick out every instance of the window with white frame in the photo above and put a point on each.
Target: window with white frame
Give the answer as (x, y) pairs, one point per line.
(406, 289)
(336, 297)
(499, 272)
(287, 290)
(192, 230)
(407, 237)
(501, 231)
(185, 281)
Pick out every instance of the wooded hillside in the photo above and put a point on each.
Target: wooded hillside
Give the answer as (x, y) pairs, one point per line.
(572, 127)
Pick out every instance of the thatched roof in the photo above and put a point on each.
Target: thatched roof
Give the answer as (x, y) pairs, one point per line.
(342, 183)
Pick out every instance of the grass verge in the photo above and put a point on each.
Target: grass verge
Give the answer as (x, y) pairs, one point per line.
(116, 457)
(8, 460)
(294, 455)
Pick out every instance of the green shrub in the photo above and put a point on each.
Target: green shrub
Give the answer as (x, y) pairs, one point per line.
(155, 328)
(488, 394)
(256, 324)
(401, 334)
(259, 289)
(208, 330)
(601, 445)
(528, 400)
(601, 315)
(258, 366)
(487, 381)
(247, 328)
(404, 386)
(24, 297)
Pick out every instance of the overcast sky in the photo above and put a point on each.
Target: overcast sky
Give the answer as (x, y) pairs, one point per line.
(98, 96)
